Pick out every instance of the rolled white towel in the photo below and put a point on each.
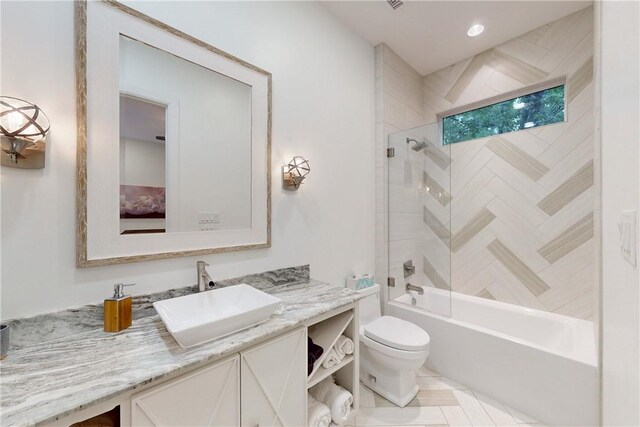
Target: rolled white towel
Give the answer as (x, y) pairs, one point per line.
(331, 359)
(335, 397)
(343, 346)
(319, 413)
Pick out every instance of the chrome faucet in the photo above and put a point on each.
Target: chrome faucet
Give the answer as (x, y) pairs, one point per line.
(417, 289)
(204, 280)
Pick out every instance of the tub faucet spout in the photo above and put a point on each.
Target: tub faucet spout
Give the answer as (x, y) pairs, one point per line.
(417, 289)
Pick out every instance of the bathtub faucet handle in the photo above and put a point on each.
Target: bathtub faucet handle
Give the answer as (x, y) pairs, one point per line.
(409, 268)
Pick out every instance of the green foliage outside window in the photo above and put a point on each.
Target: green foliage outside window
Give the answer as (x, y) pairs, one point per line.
(535, 109)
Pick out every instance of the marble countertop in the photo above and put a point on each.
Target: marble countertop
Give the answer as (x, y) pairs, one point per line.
(50, 375)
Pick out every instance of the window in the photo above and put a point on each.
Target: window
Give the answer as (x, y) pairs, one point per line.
(531, 110)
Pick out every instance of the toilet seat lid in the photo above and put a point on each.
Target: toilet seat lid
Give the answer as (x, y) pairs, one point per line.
(397, 333)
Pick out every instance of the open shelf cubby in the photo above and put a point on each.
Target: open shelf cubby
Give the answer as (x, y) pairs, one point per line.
(326, 334)
(325, 330)
(323, 372)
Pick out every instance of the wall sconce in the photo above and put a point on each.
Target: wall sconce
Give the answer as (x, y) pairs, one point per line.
(294, 173)
(23, 128)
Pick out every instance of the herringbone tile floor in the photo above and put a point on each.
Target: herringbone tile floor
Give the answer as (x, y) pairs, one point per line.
(439, 402)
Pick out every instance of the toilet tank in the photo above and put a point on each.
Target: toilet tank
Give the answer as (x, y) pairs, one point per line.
(369, 306)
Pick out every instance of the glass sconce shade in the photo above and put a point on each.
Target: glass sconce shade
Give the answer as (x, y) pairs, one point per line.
(23, 128)
(299, 167)
(295, 172)
(22, 120)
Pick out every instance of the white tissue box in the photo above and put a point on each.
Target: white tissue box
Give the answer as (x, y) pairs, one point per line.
(360, 282)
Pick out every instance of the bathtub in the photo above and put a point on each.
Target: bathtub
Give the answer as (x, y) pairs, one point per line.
(542, 364)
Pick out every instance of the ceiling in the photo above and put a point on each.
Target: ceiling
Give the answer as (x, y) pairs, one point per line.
(431, 35)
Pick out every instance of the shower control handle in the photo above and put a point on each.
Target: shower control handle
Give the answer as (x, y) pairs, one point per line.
(409, 268)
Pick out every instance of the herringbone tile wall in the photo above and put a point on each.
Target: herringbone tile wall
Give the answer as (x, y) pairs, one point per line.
(517, 209)
(522, 203)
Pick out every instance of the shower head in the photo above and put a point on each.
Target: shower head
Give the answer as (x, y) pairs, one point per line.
(419, 145)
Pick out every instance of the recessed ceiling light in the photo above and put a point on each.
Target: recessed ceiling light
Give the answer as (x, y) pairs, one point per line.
(475, 30)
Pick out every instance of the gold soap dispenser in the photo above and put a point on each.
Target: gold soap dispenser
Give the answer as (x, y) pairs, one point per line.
(117, 310)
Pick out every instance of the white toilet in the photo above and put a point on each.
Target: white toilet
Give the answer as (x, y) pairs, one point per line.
(391, 351)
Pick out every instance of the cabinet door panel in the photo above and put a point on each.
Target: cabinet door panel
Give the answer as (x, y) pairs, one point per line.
(207, 397)
(274, 382)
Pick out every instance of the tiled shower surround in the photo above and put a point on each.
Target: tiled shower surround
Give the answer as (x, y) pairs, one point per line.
(516, 209)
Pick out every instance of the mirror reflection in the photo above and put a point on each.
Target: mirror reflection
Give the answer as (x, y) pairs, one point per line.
(185, 144)
(142, 166)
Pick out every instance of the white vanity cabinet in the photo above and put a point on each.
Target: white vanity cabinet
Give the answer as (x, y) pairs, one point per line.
(263, 385)
(273, 388)
(207, 397)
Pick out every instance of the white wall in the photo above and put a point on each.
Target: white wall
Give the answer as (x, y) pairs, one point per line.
(323, 108)
(620, 136)
(144, 163)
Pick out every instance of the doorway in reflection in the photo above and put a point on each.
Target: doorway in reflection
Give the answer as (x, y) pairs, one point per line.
(142, 166)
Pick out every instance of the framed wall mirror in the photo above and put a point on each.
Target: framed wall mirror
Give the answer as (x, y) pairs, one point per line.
(174, 142)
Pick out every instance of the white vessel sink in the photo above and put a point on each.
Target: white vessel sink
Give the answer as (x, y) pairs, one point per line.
(205, 316)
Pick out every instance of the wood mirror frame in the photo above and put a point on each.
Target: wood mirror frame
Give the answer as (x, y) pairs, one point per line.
(82, 256)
